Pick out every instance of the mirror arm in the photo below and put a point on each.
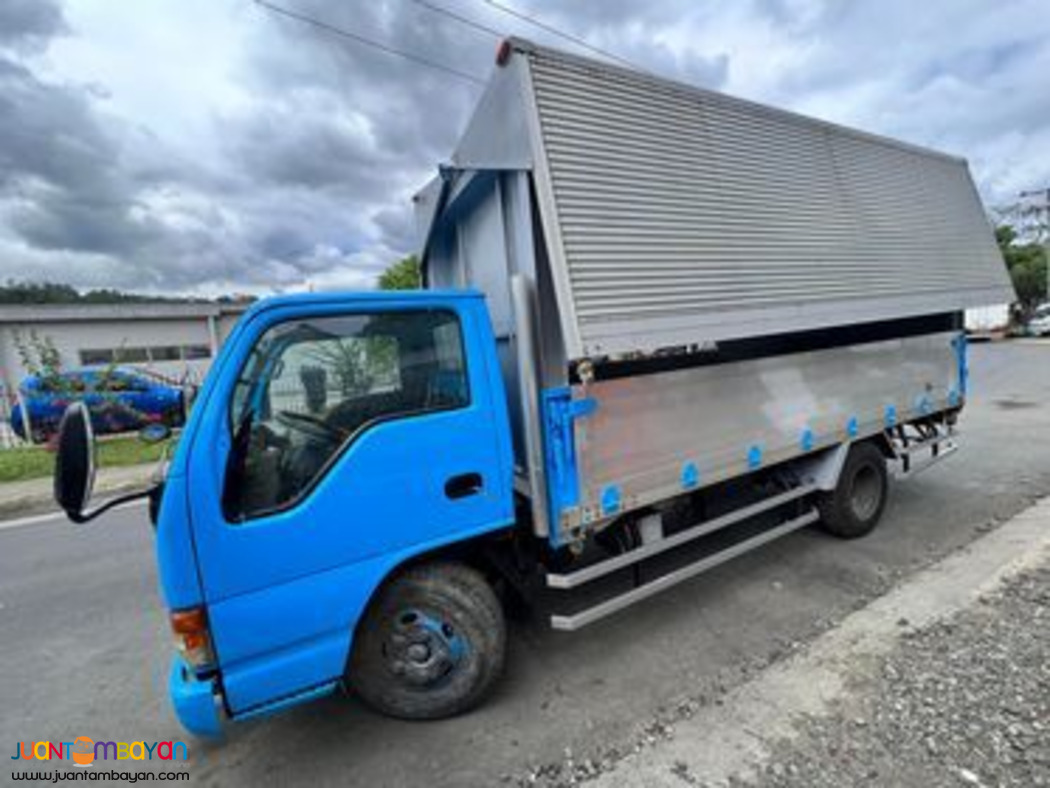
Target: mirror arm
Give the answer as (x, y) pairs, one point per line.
(84, 517)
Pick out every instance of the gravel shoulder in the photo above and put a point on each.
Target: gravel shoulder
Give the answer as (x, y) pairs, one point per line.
(963, 702)
(943, 681)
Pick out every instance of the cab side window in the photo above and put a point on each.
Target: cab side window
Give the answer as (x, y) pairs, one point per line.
(311, 386)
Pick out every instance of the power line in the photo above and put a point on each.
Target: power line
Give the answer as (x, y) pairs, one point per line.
(360, 39)
(461, 19)
(561, 34)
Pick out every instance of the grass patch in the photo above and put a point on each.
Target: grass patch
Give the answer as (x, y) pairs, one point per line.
(35, 462)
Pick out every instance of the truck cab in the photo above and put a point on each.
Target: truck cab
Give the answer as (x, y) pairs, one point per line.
(338, 438)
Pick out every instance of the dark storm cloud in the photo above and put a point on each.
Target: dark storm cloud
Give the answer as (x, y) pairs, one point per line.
(74, 181)
(315, 173)
(398, 225)
(303, 146)
(60, 163)
(71, 185)
(369, 128)
(29, 23)
(350, 131)
(415, 112)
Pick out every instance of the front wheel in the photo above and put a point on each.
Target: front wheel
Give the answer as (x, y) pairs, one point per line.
(432, 645)
(855, 506)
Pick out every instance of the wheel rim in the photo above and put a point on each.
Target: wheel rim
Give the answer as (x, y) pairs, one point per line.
(865, 493)
(423, 650)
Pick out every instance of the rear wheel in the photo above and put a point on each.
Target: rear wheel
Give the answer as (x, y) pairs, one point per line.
(855, 506)
(432, 645)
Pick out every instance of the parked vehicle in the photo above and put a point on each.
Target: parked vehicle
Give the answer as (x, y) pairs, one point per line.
(987, 322)
(118, 399)
(1039, 322)
(696, 324)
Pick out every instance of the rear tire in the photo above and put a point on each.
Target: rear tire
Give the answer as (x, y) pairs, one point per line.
(856, 504)
(432, 645)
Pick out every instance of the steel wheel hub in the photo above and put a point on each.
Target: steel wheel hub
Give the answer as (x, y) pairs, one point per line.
(422, 649)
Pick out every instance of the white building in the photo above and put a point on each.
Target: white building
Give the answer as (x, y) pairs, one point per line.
(174, 340)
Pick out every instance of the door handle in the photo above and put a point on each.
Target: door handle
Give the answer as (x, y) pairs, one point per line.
(463, 485)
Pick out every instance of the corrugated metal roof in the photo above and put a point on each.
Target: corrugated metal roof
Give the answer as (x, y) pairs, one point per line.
(682, 215)
(66, 313)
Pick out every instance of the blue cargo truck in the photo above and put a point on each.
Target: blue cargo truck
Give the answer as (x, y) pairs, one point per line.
(661, 327)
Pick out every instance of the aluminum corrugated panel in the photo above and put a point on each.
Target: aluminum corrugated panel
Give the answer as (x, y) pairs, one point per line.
(687, 216)
(712, 415)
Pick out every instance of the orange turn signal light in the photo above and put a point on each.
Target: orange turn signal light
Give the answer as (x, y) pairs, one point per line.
(188, 622)
(191, 636)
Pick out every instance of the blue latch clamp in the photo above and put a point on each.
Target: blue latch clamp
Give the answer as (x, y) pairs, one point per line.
(963, 368)
(890, 417)
(690, 476)
(560, 412)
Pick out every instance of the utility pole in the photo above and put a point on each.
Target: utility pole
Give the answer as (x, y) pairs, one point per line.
(1034, 209)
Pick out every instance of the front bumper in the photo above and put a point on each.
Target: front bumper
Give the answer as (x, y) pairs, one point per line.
(196, 703)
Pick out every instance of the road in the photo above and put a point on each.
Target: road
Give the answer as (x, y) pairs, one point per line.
(84, 649)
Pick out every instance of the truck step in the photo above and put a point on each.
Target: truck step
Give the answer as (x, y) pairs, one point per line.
(589, 615)
(917, 456)
(939, 450)
(587, 574)
(921, 445)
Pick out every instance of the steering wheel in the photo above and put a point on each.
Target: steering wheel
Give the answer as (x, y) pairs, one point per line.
(311, 426)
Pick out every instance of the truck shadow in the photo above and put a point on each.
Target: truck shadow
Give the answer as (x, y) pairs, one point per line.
(710, 634)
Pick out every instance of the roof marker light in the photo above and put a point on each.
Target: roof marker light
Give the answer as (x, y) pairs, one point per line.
(503, 52)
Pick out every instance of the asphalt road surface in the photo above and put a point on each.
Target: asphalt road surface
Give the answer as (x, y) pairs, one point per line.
(84, 648)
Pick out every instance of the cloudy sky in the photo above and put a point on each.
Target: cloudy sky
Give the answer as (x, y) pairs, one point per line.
(209, 146)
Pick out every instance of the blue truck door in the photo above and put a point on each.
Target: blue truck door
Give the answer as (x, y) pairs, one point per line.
(366, 433)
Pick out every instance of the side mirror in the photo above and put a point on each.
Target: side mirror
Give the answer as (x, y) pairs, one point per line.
(155, 432)
(75, 462)
(75, 467)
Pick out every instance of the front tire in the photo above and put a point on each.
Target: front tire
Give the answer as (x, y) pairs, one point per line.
(432, 645)
(856, 504)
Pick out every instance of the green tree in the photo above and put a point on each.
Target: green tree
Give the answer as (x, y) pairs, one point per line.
(30, 292)
(1027, 264)
(405, 274)
(40, 357)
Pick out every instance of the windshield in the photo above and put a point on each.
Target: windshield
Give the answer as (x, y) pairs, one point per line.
(309, 386)
(1042, 311)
